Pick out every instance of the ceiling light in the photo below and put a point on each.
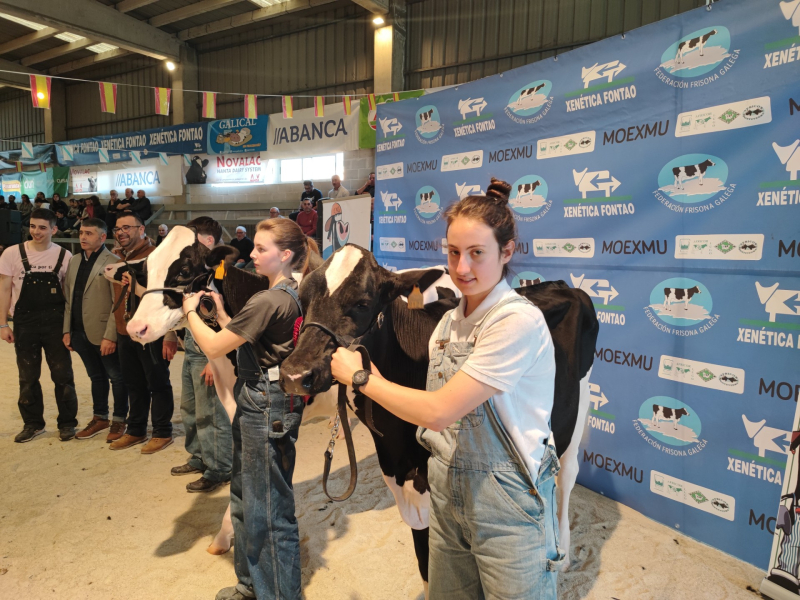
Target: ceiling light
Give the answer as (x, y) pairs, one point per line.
(170, 65)
(24, 22)
(378, 20)
(69, 37)
(100, 48)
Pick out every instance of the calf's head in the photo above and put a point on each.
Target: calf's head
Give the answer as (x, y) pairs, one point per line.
(180, 261)
(345, 295)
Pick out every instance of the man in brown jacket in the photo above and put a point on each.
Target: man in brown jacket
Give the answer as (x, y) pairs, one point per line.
(145, 368)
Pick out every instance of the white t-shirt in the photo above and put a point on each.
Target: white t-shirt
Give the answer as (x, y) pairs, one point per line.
(513, 354)
(11, 265)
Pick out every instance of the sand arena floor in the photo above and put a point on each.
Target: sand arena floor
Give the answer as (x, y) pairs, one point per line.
(79, 521)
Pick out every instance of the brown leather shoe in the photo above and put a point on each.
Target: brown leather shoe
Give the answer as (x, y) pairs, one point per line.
(94, 427)
(156, 444)
(127, 440)
(117, 431)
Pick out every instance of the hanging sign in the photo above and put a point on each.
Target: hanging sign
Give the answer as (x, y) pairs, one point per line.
(84, 180)
(345, 221)
(229, 168)
(305, 134)
(231, 136)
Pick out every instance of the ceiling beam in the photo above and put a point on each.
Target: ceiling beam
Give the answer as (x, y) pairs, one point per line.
(28, 39)
(57, 51)
(262, 14)
(198, 8)
(98, 22)
(22, 81)
(87, 62)
(380, 7)
(129, 5)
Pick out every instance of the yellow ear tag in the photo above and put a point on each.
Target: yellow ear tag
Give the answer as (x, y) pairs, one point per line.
(415, 299)
(220, 272)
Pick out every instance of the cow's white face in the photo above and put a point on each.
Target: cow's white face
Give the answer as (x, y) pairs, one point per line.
(155, 317)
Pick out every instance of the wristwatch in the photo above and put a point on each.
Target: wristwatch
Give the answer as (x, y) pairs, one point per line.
(360, 378)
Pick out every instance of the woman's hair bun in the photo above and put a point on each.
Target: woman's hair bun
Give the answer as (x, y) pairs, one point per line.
(499, 190)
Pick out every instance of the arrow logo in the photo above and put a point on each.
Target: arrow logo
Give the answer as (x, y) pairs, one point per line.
(598, 71)
(585, 180)
(469, 105)
(596, 397)
(606, 292)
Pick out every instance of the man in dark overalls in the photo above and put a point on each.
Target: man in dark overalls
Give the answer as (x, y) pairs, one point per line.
(31, 276)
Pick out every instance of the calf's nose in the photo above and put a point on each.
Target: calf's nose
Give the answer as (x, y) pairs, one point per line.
(137, 329)
(297, 383)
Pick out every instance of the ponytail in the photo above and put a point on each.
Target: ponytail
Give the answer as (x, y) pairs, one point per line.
(288, 236)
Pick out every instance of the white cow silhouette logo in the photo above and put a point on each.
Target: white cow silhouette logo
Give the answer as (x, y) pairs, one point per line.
(791, 10)
(789, 156)
(390, 200)
(603, 290)
(585, 180)
(774, 300)
(597, 71)
(390, 126)
(469, 105)
(764, 437)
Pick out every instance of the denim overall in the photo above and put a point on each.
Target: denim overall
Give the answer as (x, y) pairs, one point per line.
(265, 428)
(493, 530)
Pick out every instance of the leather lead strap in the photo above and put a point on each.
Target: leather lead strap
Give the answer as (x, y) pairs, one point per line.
(351, 451)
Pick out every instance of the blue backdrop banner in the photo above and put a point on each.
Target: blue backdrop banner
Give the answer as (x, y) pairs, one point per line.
(658, 172)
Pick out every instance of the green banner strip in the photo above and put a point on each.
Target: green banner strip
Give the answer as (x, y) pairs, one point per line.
(782, 43)
(483, 117)
(769, 324)
(601, 414)
(780, 184)
(594, 200)
(757, 458)
(609, 306)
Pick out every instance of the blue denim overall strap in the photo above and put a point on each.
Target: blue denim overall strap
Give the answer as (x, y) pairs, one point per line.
(247, 362)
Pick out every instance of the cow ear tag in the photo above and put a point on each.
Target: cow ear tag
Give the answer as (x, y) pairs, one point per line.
(220, 272)
(415, 300)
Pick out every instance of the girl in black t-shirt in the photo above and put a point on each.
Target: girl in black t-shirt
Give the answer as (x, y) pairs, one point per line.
(267, 421)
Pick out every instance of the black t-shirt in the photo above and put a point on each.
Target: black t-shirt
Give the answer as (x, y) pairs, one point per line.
(370, 189)
(267, 322)
(314, 195)
(244, 246)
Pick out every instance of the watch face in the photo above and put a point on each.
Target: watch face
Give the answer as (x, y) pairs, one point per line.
(360, 377)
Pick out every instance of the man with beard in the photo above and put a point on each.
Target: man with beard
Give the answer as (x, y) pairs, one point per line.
(144, 368)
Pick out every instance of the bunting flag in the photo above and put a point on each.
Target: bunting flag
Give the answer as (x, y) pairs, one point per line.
(187, 160)
(67, 152)
(27, 149)
(162, 156)
(108, 97)
(162, 100)
(43, 167)
(372, 104)
(396, 96)
(136, 156)
(209, 105)
(346, 103)
(319, 106)
(288, 111)
(250, 106)
(40, 90)
(102, 154)
(19, 166)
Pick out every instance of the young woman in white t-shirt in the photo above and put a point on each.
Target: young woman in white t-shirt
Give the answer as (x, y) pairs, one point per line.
(485, 417)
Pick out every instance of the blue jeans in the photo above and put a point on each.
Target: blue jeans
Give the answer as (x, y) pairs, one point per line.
(477, 517)
(266, 538)
(208, 428)
(102, 369)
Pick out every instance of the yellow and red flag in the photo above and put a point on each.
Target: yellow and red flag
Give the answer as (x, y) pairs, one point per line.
(40, 91)
(162, 100)
(108, 97)
(250, 106)
(319, 106)
(372, 104)
(396, 96)
(288, 111)
(209, 105)
(19, 165)
(346, 103)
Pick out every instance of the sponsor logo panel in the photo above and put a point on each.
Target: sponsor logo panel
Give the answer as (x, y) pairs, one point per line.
(688, 62)
(694, 183)
(725, 117)
(734, 246)
(429, 125)
(428, 205)
(392, 171)
(528, 200)
(530, 103)
(462, 160)
(563, 247)
(766, 458)
(474, 119)
(566, 145)
(670, 426)
(681, 306)
(391, 213)
(596, 189)
(393, 244)
(596, 92)
(702, 374)
(697, 496)
(779, 329)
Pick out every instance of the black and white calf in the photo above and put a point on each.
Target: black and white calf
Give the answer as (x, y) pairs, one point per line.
(684, 295)
(426, 116)
(525, 189)
(690, 172)
(665, 413)
(689, 45)
(526, 93)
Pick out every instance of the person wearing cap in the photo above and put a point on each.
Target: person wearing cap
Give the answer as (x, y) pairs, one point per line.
(244, 245)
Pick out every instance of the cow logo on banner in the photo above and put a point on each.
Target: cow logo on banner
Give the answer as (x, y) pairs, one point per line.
(429, 125)
(682, 307)
(530, 103)
(528, 198)
(670, 426)
(696, 55)
(526, 278)
(694, 183)
(428, 205)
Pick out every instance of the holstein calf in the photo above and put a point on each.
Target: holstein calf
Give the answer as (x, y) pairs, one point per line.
(691, 171)
(664, 413)
(347, 295)
(689, 45)
(684, 295)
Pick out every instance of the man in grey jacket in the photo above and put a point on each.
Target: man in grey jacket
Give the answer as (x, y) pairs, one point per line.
(90, 329)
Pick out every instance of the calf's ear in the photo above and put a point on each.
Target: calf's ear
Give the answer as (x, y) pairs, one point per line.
(222, 253)
(401, 284)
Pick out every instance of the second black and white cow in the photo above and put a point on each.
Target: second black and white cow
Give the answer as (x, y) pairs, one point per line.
(665, 413)
(684, 295)
(690, 172)
(527, 92)
(426, 116)
(348, 293)
(524, 189)
(689, 45)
